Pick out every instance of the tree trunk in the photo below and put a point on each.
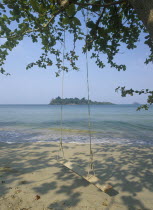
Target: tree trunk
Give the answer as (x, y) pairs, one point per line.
(144, 9)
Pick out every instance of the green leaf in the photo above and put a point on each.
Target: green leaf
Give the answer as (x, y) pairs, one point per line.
(66, 21)
(90, 24)
(71, 10)
(76, 21)
(73, 20)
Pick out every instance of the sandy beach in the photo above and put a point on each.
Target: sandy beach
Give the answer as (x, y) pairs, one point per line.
(31, 177)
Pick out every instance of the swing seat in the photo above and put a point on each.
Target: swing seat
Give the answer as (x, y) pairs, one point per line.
(91, 179)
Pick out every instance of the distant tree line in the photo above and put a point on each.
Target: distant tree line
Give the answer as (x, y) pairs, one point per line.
(74, 101)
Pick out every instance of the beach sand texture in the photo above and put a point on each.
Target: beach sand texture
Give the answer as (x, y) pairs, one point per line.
(31, 177)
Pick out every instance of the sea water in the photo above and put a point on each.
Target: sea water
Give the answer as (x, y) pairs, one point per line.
(120, 124)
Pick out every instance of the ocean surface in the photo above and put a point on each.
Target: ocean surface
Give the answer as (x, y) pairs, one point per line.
(120, 124)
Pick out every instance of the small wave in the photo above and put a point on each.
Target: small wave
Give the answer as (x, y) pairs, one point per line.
(10, 142)
(45, 135)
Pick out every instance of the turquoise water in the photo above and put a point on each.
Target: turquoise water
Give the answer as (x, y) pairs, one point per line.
(120, 124)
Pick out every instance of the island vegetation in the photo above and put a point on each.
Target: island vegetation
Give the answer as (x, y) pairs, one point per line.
(75, 101)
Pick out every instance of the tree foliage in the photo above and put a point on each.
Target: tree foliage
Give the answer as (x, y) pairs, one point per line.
(99, 26)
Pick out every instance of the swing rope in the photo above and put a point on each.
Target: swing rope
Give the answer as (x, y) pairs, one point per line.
(61, 150)
(91, 161)
(89, 177)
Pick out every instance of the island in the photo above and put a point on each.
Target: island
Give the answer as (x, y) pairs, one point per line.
(136, 103)
(76, 101)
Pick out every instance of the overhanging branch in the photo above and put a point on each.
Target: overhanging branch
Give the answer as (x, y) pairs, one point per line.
(44, 26)
(101, 5)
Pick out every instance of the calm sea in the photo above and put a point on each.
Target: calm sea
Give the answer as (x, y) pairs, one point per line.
(120, 124)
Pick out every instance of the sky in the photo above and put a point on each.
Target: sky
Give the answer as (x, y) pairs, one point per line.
(39, 86)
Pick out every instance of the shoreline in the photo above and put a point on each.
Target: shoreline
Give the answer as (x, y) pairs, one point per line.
(28, 170)
(124, 144)
(80, 143)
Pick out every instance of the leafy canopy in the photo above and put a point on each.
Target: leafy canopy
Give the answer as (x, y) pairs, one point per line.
(99, 26)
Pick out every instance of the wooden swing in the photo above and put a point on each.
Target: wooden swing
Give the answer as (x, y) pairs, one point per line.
(90, 176)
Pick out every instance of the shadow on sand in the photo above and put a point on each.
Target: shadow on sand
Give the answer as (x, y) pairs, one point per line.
(128, 169)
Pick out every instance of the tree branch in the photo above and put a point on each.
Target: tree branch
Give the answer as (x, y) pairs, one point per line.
(101, 5)
(98, 21)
